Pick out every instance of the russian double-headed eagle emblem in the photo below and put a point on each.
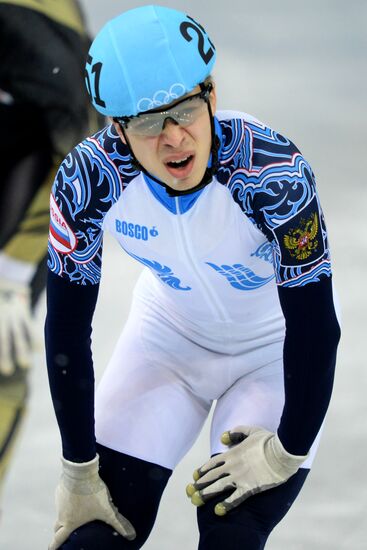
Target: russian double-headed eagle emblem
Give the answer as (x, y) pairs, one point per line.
(301, 242)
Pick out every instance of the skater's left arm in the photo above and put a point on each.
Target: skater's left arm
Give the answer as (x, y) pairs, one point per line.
(258, 459)
(297, 231)
(312, 336)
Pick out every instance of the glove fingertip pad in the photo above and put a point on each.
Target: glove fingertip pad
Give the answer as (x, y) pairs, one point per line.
(220, 509)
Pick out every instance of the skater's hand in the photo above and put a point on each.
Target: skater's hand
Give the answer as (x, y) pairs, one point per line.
(81, 497)
(16, 331)
(256, 461)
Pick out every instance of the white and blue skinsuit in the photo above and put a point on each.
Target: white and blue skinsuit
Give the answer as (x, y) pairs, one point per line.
(234, 304)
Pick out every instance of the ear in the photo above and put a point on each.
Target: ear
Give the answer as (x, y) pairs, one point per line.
(118, 130)
(213, 99)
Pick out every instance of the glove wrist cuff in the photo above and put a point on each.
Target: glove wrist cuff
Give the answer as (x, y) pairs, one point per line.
(288, 461)
(80, 470)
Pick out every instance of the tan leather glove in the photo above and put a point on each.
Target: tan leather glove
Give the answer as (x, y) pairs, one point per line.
(256, 461)
(81, 497)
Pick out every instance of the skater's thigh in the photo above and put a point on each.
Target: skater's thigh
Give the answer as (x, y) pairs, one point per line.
(255, 399)
(145, 404)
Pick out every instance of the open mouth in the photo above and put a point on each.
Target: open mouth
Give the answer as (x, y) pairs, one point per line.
(179, 163)
(180, 168)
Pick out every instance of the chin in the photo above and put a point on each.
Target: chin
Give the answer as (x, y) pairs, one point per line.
(192, 181)
(183, 185)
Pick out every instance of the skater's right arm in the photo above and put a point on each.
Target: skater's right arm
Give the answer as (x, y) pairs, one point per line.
(75, 249)
(74, 262)
(68, 331)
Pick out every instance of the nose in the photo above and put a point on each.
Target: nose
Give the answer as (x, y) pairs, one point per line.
(172, 133)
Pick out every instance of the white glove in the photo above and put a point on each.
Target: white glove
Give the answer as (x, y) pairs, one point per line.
(16, 331)
(255, 462)
(81, 497)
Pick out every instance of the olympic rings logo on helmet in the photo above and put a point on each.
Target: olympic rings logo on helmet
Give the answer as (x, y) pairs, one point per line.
(162, 97)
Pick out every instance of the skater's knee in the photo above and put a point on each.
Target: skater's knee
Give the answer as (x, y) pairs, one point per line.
(99, 536)
(235, 532)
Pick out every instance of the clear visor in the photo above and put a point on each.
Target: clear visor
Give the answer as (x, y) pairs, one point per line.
(183, 113)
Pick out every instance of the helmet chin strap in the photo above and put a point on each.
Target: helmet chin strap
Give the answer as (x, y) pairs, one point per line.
(208, 174)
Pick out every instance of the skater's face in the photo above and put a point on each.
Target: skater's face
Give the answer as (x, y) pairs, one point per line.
(173, 145)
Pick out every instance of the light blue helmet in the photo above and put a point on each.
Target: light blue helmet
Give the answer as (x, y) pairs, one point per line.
(145, 58)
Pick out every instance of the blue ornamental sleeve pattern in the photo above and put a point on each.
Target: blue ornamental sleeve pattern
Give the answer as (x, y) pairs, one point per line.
(275, 187)
(88, 183)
